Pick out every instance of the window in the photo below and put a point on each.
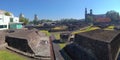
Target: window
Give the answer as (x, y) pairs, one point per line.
(11, 19)
(3, 26)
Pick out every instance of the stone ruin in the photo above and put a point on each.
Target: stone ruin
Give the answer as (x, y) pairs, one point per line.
(95, 45)
(66, 37)
(30, 42)
(2, 37)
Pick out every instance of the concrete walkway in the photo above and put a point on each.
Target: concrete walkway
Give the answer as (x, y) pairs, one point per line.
(56, 49)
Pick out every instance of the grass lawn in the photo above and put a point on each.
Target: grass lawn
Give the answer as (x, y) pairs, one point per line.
(60, 28)
(57, 28)
(46, 32)
(7, 55)
(109, 28)
(85, 30)
(62, 45)
(57, 35)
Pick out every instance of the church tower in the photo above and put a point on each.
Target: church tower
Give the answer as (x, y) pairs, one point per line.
(85, 13)
(85, 10)
(91, 12)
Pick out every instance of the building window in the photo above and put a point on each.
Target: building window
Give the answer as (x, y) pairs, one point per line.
(11, 19)
(3, 26)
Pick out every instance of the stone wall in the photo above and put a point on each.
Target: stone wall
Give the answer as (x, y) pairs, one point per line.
(115, 44)
(86, 47)
(2, 37)
(76, 52)
(20, 44)
(94, 46)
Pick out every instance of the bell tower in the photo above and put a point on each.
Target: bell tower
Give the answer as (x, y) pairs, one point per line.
(85, 13)
(91, 12)
(85, 10)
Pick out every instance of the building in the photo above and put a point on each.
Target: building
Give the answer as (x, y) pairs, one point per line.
(95, 45)
(9, 21)
(99, 19)
(36, 17)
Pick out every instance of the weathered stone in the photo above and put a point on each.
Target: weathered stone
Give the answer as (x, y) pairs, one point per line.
(30, 41)
(97, 44)
(2, 37)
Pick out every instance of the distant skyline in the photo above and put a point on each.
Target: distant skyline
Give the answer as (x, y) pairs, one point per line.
(58, 9)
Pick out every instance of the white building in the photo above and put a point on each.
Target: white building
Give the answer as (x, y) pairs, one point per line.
(9, 22)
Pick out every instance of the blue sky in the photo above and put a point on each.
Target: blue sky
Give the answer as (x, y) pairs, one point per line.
(58, 9)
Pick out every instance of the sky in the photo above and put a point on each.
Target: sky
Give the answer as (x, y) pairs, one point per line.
(58, 9)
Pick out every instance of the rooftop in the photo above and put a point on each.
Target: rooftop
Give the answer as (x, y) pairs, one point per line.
(37, 40)
(23, 34)
(101, 35)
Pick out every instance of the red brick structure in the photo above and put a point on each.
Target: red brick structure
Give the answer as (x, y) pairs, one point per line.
(102, 20)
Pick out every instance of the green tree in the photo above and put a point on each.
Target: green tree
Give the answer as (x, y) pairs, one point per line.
(7, 14)
(24, 20)
(113, 15)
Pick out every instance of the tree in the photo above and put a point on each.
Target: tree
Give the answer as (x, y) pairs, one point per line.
(24, 20)
(113, 15)
(7, 14)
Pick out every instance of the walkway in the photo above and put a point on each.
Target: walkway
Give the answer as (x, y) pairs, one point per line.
(56, 48)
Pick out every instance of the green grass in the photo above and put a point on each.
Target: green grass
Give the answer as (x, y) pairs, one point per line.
(7, 55)
(109, 28)
(85, 30)
(60, 28)
(57, 35)
(62, 45)
(46, 32)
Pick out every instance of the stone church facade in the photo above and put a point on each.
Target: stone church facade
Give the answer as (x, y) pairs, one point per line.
(96, 18)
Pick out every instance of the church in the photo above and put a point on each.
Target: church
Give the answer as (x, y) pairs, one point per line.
(96, 18)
